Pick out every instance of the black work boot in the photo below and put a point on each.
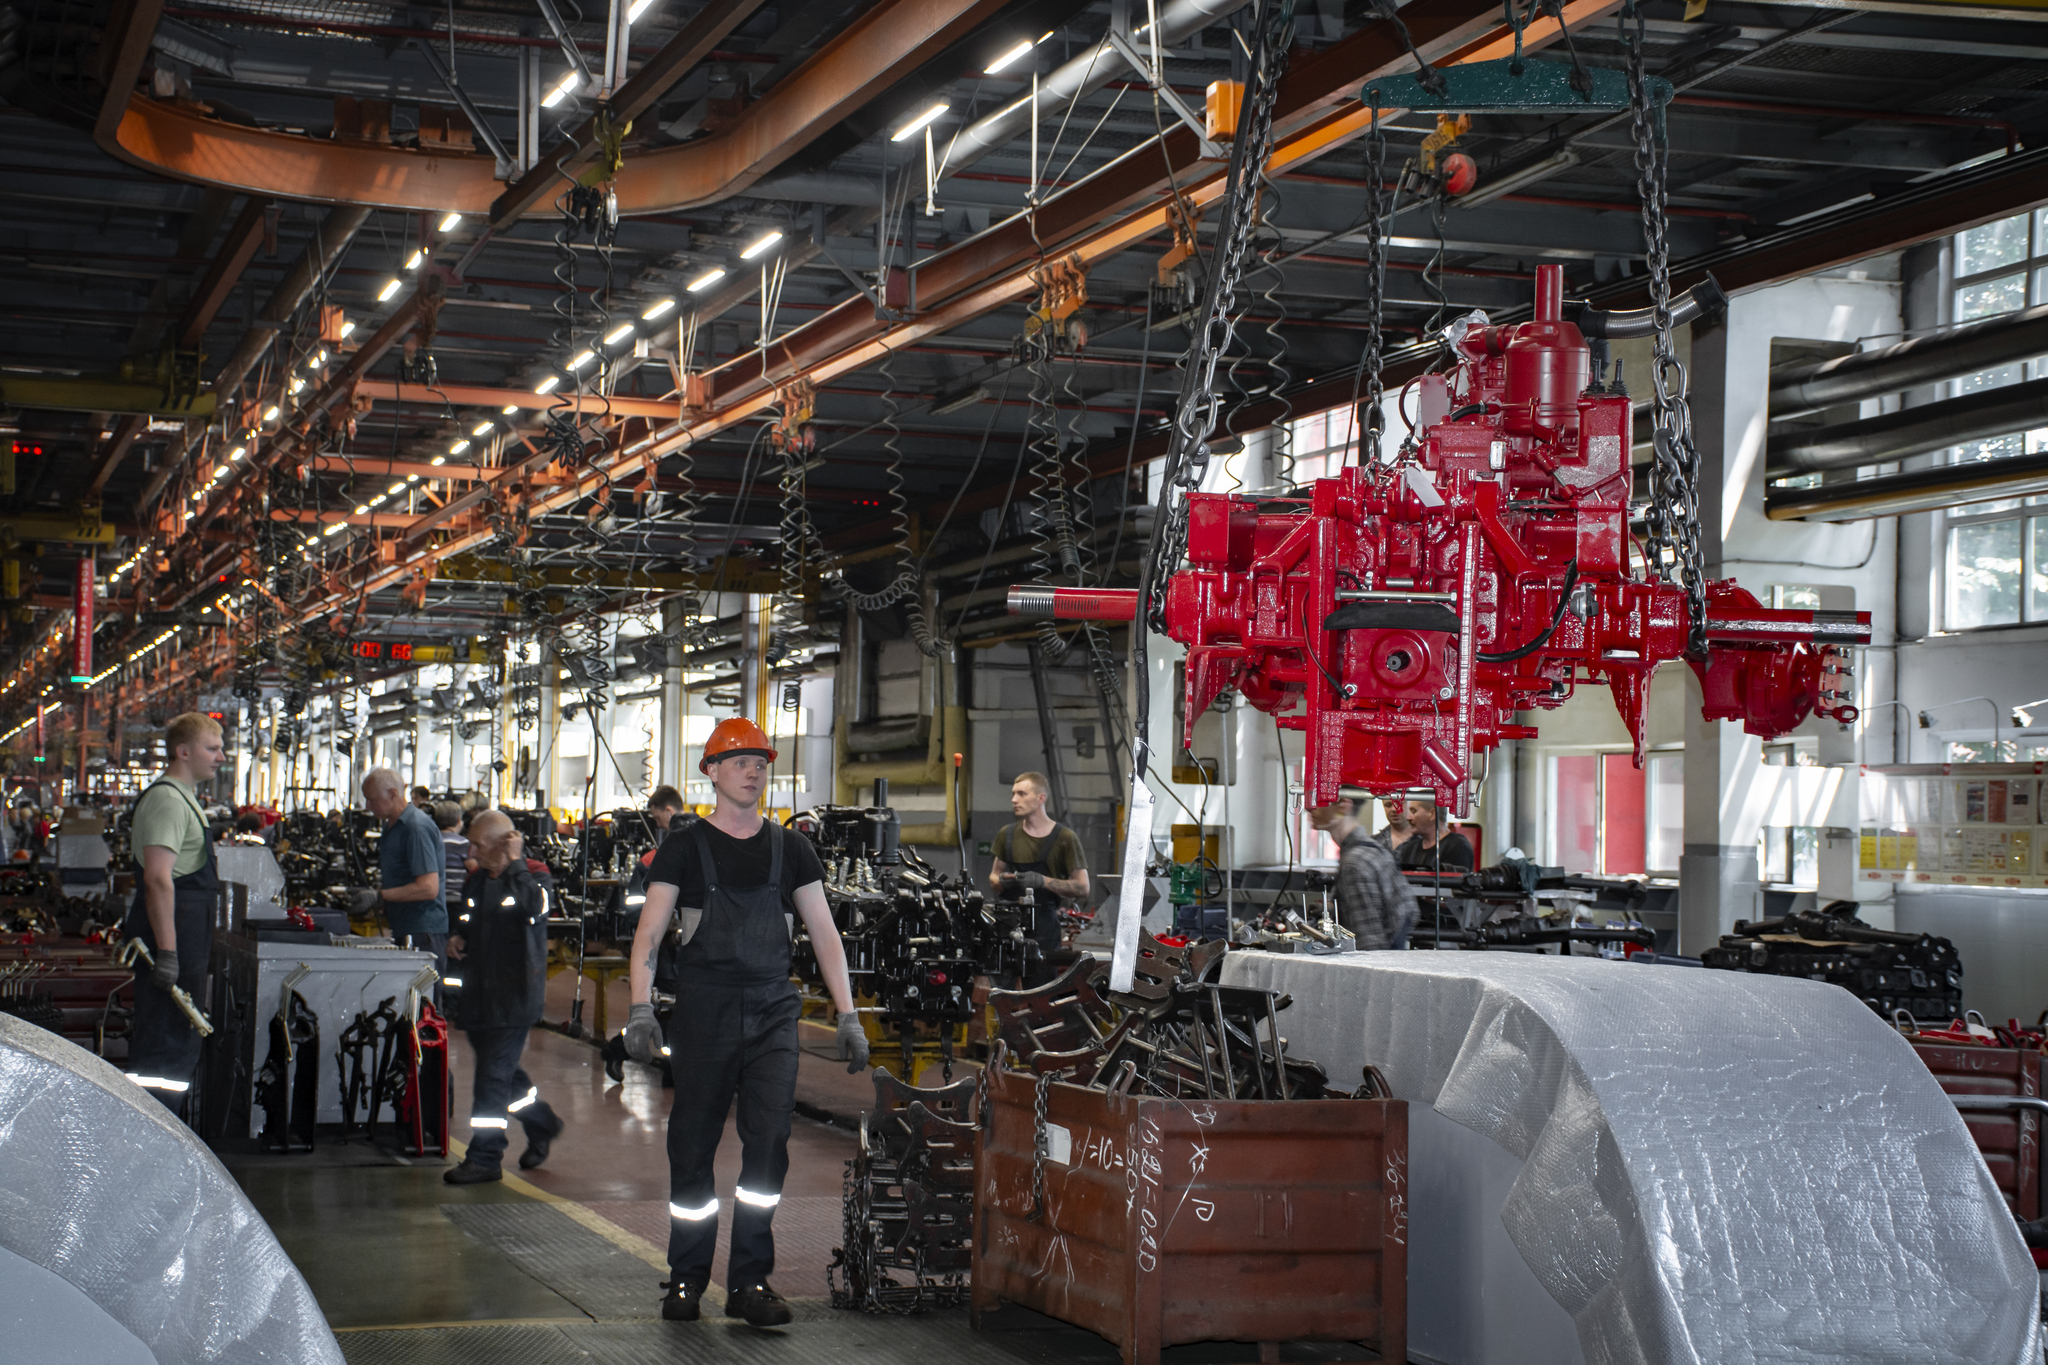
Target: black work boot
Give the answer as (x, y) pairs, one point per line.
(759, 1305)
(472, 1173)
(680, 1303)
(538, 1140)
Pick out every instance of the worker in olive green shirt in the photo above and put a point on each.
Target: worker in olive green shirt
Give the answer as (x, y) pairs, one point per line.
(1038, 861)
(174, 908)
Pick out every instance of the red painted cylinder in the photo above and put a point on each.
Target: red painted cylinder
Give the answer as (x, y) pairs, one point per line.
(1547, 364)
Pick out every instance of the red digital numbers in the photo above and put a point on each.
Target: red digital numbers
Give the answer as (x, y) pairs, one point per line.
(401, 652)
(368, 649)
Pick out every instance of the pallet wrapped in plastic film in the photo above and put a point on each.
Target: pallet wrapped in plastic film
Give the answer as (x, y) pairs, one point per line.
(124, 1233)
(1159, 1221)
(1705, 1168)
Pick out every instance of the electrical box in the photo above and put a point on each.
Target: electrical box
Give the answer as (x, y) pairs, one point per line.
(1224, 105)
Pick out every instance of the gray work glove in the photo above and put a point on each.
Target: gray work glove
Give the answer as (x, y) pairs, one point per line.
(1033, 880)
(362, 900)
(643, 1035)
(163, 974)
(853, 1043)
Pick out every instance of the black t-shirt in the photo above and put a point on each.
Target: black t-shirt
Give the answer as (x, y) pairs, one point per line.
(1452, 850)
(741, 863)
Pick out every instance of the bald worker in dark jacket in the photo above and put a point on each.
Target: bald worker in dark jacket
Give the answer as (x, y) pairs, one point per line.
(498, 952)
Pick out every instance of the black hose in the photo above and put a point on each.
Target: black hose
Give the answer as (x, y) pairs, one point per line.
(1571, 578)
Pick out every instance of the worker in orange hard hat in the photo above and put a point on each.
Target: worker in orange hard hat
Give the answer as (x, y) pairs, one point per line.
(740, 881)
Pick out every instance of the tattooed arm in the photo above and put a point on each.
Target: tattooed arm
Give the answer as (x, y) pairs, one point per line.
(654, 919)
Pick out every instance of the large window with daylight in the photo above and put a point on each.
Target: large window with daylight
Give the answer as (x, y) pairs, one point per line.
(1995, 570)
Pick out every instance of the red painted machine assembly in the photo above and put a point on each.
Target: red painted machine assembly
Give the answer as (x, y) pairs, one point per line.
(1402, 614)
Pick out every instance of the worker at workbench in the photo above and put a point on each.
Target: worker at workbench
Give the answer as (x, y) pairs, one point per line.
(173, 911)
(1038, 861)
(1430, 847)
(1373, 899)
(499, 952)
(410, 862)
(740, 881)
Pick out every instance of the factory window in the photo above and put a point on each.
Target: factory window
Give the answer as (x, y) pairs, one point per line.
(1615, 819)
(1320, 444)
(1996, 566)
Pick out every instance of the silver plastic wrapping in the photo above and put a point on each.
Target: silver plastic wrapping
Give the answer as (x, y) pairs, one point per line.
(102, 1187)
(1718, 1168)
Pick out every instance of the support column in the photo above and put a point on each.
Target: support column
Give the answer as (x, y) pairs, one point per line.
(1719, 880)
(668, 759)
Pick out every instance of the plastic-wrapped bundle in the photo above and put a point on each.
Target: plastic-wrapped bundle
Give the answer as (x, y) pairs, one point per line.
(1715, 1168)
(100, 1186)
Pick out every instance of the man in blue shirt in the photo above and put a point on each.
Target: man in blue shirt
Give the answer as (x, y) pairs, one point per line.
(410, 860)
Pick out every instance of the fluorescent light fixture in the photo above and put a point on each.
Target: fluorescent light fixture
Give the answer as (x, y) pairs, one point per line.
(296, 385)
(450, 223)
(346, 329)
(412, 262)
(439, 459)
(237, 453)
(219, 471)
(655, 310)
(320, 359)
(377, 501)
(384, 294)
(916, 125)
(1020, 50)
(362, 508)
(509, 409)
(562, 91)
(412, 478)
(270, 413)
(547, 385)
(335, 529)
(584, 359)
(762, 243)
(707, 279)
(458, 447)
(198, 493)
(640, 7)
(619, 334)
(398, 487)
(482, 427)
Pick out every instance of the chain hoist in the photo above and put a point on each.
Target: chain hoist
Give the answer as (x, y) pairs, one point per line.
(1672, 544)
(1375, 287)
(1038, 1145)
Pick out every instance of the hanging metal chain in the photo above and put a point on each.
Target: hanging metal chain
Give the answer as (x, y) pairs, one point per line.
(1038, 1146)
(1195, 412)
(1672, 544)
(1375, 289)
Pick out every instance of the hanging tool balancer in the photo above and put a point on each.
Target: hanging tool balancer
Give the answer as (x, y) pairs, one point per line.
(1403, 613)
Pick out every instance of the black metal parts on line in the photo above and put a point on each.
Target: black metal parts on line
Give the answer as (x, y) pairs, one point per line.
(1918, 973)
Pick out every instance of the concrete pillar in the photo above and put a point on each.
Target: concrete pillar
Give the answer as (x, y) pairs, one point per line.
(1718, 874)
(669, 758)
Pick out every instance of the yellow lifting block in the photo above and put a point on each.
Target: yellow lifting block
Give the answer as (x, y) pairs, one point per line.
(1224, 105)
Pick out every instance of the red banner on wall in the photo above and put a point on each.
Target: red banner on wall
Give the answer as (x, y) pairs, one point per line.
(81, 621)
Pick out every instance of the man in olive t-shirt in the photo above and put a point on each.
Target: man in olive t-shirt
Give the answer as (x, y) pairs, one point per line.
(1038, 861)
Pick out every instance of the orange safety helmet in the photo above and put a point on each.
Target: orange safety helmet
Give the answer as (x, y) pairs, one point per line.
(733, 737)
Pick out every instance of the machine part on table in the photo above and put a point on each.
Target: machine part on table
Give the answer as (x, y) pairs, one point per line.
(1919, 974)
(1408, 612)
(908, 1202)
(915, 938)
(365, 1053)
(424, 1100)
(288, 1086)
(140, 1206)
(1174, 1033)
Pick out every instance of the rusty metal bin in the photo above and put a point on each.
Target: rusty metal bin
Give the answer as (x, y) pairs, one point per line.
(1163, 1222)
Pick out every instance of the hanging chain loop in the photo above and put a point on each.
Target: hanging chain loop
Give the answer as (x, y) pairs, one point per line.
(1375, 288)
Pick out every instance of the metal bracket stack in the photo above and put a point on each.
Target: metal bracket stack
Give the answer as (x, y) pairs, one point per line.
(909, 1202)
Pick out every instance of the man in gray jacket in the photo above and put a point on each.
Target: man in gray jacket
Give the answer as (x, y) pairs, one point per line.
(1373, 898)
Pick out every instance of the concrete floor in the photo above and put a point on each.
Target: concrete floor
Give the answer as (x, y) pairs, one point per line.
(564, 1263)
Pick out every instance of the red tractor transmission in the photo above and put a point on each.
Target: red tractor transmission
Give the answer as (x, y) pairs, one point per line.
(1400, 616)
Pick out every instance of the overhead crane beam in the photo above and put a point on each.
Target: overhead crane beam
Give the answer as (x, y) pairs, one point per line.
(479, 396)
(1094, 219)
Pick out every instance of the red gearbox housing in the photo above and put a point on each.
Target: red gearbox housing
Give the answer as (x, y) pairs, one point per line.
(1401, 615)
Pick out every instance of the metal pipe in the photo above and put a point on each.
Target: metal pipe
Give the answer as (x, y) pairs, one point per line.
(1082, 75)
(1912, 431)
(1703, 300)
(1797, 389)
(1922, 490)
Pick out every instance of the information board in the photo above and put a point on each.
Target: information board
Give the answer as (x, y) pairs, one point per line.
(1954, 824)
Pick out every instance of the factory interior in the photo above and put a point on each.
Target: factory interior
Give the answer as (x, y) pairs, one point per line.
(996, 680)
